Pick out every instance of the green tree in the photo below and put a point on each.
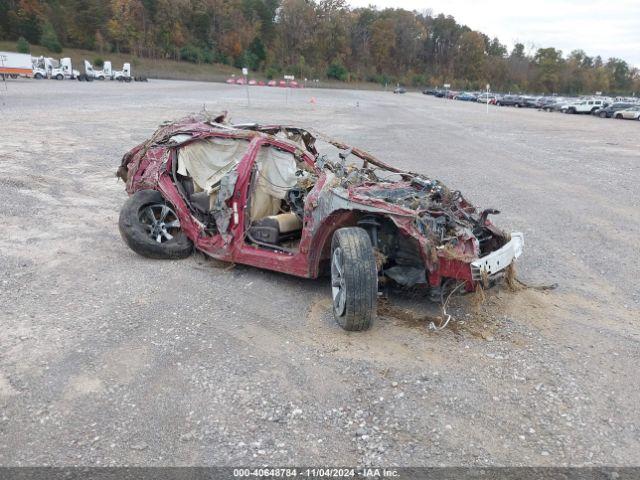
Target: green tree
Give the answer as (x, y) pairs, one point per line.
(620, 74)
(470, 60)
(49, 39)
(256, 54)
(518, 51)
(338, 71)
(22, 46)
(496, 49)
(549, 64)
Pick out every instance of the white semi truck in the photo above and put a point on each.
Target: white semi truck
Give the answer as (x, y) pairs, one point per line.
(107, 72)
(15, 64)
(123, 75)
(47, 67)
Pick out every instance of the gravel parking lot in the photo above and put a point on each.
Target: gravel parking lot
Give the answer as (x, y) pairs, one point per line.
(108, 358)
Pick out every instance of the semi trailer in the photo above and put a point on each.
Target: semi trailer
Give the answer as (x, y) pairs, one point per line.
(15, 64)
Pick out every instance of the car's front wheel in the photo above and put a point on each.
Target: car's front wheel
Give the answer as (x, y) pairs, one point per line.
(151, 228)
(354, 279)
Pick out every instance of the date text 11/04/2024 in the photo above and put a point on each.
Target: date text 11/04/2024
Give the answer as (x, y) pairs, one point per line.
(316, 472)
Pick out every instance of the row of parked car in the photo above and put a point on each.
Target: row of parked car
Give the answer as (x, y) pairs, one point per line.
(262, 83)
(603, 107)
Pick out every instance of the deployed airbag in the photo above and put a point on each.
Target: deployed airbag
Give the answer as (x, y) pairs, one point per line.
(207, 161)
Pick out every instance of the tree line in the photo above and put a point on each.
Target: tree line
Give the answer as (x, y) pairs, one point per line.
(313, 39)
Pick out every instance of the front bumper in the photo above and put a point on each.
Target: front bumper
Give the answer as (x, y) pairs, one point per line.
(494, 263)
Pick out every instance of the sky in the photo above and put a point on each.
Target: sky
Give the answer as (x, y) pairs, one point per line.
(610, 28)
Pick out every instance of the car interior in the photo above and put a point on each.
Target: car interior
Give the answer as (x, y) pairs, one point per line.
(278, 186)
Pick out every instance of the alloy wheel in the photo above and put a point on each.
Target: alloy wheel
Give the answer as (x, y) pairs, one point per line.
(160, 222)
(338, 287)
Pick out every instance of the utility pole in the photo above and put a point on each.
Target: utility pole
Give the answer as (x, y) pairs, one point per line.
(245, 72)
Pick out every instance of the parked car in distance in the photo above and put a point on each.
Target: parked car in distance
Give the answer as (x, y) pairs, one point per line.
(546, 103)
(585, 106)
(531, 102)
(399, 90)
(466, 97)
(440, 93)
(563, 104)
(483, 97)
(451, 94)
(430, 91)
(610, 110)
(511, 101)
(631, 113)
(272, 83)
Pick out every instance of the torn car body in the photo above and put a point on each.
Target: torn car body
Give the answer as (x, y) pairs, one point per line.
(267, 196)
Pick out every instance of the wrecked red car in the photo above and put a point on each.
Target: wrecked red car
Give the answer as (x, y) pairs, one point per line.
(286, 199)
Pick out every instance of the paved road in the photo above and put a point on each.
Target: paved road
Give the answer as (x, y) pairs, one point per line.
(107, 358)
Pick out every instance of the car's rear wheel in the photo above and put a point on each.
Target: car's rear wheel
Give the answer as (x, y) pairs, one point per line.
(354, 279)
(602, 114)
(619, 116)
(151, 228)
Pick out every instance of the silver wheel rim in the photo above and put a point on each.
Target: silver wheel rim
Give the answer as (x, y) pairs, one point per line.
(160, 222)
(338, 289)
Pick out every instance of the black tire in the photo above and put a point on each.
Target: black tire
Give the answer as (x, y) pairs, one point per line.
(136, 227)
(619, 116)
(59, 76)
(602, 114)
(38, 76)
(355, 288)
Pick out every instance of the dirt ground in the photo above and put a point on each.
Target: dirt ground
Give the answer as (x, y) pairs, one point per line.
(108, 358)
